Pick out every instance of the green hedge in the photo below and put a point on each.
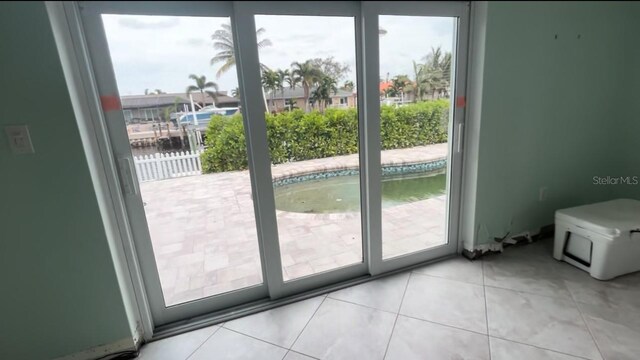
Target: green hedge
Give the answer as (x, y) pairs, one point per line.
(295, 136)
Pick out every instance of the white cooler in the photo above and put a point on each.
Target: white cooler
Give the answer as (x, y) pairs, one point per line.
(602, 239)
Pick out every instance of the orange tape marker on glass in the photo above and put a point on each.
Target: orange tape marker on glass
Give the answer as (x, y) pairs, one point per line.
(110, 103)
(461, 101)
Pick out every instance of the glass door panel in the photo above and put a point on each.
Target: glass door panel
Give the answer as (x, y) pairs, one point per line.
(308, 75)
(415, 115)
(182, 114)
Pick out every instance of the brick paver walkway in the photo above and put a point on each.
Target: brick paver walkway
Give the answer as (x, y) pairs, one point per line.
(204, 234)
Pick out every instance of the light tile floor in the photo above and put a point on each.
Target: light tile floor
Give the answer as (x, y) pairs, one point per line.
(205, 239)
(521, 304)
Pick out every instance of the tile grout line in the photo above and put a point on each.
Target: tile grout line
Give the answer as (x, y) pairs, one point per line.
(586, 324)
(575, 302)
(255, 338)
(207, 339)
(406, 286)
(534, 293)
(446, 278)
(539, 347)
(530, 293)
(486, 308)
(303, 354)
(364, 306)
(445, 325)
(305, 325)
(569, 299)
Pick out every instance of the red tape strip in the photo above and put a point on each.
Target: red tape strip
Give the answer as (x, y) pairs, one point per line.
(461, 101)
(110, 103)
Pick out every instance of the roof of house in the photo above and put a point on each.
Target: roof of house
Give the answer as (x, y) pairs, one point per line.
(384, 85)
(157, 100)
(298, 92)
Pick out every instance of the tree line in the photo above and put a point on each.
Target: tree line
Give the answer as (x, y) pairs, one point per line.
(431, 77)
(319, 77)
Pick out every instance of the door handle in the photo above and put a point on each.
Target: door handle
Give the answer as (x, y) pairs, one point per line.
(459, 142)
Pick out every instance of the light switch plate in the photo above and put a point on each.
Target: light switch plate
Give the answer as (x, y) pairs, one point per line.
(19, 139)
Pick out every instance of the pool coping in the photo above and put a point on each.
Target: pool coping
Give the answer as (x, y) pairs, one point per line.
(393, 161)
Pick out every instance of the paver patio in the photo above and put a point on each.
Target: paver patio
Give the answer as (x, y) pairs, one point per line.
(205, 239)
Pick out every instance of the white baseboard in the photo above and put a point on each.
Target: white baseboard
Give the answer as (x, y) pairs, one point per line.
(95, 352)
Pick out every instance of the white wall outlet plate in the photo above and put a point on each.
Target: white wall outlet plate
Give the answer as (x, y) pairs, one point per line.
(19, 139)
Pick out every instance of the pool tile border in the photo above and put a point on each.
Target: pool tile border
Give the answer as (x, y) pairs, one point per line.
(395, 169)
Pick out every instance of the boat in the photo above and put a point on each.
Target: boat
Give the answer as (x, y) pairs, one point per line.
(203, 116)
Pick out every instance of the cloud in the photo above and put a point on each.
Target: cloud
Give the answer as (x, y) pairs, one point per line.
(148, 22)
(193, 42)
(304, 38)
(442, 27)
(158, 52)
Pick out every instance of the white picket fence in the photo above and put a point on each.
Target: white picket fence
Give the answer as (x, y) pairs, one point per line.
(166, 166)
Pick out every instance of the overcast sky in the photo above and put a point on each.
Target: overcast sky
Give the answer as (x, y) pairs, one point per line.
(158, 52)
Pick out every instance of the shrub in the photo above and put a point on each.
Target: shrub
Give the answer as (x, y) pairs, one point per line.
(295, 135)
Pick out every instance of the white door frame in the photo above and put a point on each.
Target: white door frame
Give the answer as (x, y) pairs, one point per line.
(370, 13)
(99, 72)
(245, 30)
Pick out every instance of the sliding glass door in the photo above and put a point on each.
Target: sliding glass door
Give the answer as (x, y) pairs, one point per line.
(418, 61)
(302, 75)
(267, 149)
(190, 200)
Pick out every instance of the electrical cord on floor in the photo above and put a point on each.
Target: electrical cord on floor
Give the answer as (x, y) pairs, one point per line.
(125, 355)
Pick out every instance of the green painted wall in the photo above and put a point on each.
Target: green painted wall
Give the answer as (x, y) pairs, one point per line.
(555, 112)
(630, 144)
(59, 289)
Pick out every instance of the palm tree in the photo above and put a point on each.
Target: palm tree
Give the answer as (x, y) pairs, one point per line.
(398, 85)
(432, 66)
(271, 82)
(306, 74)
(418, 86)
(445, 71)
(290, 104)
(167, 115)
(284, 76)
(223, 42)
(348, 85)
(202, 85)
(154, 92)
(322, 93)
(167, 120)
(291, 79)
(438, 71)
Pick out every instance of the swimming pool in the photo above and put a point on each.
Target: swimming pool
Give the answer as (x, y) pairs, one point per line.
(342, 193)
